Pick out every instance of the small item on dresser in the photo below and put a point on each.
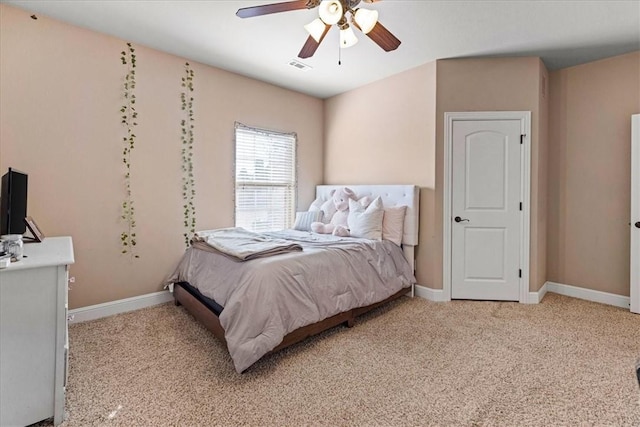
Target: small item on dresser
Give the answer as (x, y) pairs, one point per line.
(5, 260)
(37, 234)
(13, 246)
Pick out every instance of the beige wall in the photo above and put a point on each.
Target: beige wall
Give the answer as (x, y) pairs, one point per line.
(540, 164)
(393, 131)
(384, 133)
(589, 172)
(61, 95)
(494, 84)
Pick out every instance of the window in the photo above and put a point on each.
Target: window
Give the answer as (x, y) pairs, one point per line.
(265, 170)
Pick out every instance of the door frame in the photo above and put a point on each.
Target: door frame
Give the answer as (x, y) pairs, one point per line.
(634, 281)
(525, 190)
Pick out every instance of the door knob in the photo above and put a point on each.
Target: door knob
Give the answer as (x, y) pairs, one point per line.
(458, 219)
(637, 224)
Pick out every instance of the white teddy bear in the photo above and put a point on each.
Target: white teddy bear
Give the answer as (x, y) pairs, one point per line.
(338, 225)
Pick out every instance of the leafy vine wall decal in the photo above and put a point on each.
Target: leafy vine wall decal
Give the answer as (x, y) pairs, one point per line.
(188, 180)
(129, 117)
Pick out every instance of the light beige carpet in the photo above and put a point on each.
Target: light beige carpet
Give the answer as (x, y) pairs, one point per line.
(564, 362)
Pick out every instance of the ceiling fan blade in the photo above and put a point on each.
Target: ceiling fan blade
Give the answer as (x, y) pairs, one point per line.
(383, 37)
(265, 9)
(311, 45)
(309, 48)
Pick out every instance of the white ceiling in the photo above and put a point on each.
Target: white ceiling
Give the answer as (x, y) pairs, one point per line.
(562, 33)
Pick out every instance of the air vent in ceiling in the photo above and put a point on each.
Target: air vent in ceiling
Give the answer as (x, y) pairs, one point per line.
(299, 65)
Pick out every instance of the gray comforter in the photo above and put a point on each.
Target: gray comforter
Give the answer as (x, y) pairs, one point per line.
(266, 298)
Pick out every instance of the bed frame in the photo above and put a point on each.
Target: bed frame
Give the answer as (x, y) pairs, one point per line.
(392, 195)
(210, 320)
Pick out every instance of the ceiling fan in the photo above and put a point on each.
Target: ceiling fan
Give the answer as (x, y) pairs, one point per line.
(332, 12)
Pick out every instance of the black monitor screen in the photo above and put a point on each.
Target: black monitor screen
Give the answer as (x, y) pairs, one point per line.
(13, 202)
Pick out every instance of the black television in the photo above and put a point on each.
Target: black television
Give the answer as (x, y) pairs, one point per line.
(13, 202)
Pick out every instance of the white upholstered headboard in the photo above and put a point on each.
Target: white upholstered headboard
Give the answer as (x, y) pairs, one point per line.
(391, 195)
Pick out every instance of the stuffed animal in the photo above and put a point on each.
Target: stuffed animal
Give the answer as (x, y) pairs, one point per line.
(338, 225)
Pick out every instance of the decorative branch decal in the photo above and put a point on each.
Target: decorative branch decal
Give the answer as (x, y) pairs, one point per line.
(129, 116)
(188, 180)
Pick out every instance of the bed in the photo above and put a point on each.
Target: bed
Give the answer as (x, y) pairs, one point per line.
(263, 304)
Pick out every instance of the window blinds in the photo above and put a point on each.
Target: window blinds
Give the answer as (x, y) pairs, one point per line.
(265, 169)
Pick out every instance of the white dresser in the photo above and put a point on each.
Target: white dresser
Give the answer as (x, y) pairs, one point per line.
(34, 341)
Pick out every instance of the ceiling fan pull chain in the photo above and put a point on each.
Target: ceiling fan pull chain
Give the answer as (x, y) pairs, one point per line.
(339, 55)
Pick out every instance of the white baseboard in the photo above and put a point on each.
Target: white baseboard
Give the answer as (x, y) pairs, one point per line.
(589, 294)
(536, 297)
(436, 295)
(98, 311)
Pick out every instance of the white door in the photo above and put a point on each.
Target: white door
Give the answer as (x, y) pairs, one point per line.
(486, 209)
(635, 213)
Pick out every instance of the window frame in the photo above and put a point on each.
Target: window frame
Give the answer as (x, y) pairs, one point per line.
(292, 185)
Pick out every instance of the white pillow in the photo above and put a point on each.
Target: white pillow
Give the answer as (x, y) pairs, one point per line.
(304, 220)
(393, 224)
(366, 223)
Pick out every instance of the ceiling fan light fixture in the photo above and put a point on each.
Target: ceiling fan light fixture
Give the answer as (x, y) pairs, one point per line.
(330, 11)
(366, 19)
(347, 38)
(316, 29)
